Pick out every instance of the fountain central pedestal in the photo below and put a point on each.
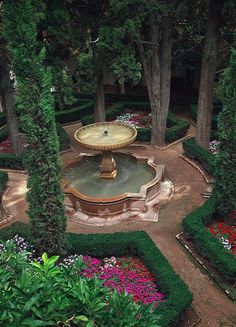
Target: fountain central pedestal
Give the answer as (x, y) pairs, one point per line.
(108, 165)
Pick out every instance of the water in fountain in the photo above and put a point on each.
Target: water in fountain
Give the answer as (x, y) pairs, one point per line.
(131, 175)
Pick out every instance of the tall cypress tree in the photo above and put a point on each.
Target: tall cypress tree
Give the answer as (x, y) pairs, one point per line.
(226, 163)
(35, 105)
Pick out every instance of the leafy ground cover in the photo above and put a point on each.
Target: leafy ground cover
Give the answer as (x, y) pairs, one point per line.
(225, 233)
(123, 274)
(70, 292)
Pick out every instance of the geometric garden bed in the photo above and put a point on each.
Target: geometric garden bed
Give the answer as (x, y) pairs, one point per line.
(137, 244)
(228, 287)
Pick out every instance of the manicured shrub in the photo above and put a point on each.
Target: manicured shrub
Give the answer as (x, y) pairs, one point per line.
(64, 139)
(132, 243)
(2, 119)
(177, 131)
(76, 113)
(3, 134)
(205, 157)
(207, 244)
(11, 161)
(3, 182)
(225, 176)
(45, 198)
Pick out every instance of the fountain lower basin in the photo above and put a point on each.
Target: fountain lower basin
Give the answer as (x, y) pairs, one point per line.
(111, 204)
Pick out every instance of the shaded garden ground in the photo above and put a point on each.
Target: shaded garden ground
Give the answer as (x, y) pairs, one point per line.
(212, 305)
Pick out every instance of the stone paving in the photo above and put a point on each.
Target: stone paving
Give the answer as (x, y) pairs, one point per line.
(212, 305)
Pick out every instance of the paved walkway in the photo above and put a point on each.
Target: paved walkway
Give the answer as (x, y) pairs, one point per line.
(212, 305)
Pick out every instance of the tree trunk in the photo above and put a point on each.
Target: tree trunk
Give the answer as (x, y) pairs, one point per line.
(99, 108)
(9, 108)
(165, 66)
(157, 77)
(208, 68)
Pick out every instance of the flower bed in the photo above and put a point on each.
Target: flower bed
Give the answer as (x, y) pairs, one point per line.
(137, 119)
(5, 146)
(136, 244)
(125, 274)
(214, 146)
(225, 233)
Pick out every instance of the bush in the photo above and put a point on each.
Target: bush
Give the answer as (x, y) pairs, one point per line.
(2, 119)
(138, 244)
(11, 161)
(3, 182)
(205, 157)
(207, 244)
(70, 115)
(64, 139)
(3, 134)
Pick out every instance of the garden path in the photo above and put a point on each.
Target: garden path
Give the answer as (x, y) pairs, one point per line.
(209, 301)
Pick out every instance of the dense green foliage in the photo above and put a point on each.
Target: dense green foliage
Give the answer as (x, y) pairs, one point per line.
(11, 161)
(2, 119)
(207, 244)
(63, 137)
(176, 128)
(3, 182)
(70, 115)
(35, 104)
(226, 163)
(138, 244)
(49, 295)
(205, 157)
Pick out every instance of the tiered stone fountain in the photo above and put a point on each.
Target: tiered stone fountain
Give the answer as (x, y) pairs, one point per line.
(126, 186)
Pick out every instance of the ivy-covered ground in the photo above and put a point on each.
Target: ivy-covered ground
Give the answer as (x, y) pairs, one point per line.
(209, 301)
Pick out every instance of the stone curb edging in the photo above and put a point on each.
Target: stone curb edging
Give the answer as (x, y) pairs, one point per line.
(208, 181)
(9, 219)
(213, 276)
(8, 170)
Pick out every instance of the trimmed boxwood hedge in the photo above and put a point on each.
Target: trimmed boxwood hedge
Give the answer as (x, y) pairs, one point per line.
(207, 244)
(136, 243)
(11, 161)
(2, 119)
(3, 182)
(176, 128)
(64, 139)
(76, 113)
(205, 157)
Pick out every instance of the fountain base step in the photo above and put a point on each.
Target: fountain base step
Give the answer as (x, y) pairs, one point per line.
(111, 175)
(150, 214)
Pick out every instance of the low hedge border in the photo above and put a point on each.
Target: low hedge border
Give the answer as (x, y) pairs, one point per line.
(75, 113)
(207, 244)
(3, 182)
(136, 243)
(205, 157)
(11, 161)
(176, 128)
